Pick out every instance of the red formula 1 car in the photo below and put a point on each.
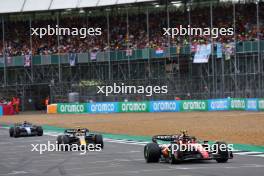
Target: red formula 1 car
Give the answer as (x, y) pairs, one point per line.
(181, 147)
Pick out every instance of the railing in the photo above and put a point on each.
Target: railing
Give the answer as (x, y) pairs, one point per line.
(137, 54)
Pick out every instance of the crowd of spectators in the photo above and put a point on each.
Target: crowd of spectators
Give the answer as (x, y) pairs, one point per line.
(134, 34)
(11, 104)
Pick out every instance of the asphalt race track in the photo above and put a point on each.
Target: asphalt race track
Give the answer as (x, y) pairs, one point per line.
(117, 158)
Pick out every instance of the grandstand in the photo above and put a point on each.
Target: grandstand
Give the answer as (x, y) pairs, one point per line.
(132, 49)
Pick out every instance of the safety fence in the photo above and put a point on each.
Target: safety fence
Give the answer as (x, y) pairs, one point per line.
(227, 104)
(119, 55)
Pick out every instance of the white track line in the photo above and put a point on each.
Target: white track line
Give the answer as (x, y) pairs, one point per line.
(131, 143)
(246, 153)
(258, 155)
(126, 141)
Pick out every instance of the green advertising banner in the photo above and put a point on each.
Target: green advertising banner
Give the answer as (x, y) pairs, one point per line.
(233, 104)
(237, 104)
(261, 104)
(194, 105)
(72, 108)
(133, 106)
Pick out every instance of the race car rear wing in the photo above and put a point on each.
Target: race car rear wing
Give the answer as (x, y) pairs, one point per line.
(22, 124)
(168, 138)
(17, 124)
(78, 130)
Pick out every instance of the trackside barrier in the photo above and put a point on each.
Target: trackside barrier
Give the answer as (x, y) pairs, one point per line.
(261, 104)
(1, 111)
(52, 109)
(193, 105)
(72, 108)
(133, 106)
(107, 107)
(225, 104)
(218, 104)
(164, 106)
(238, 104)
(252, 104)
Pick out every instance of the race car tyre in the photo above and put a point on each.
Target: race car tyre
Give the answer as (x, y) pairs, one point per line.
(99, 140)
(65, 140)
(16, 132)
(11, 132)
(39, 131)
(222, 151)
(174, 160)
(59, 139)
(152, 153)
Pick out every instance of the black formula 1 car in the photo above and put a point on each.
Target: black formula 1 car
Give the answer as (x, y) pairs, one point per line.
(80, 137)
(181, 147)
(25, 129)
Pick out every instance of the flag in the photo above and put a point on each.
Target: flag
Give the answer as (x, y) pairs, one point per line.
(219, 53)
(129, 52)
(72, 59)
(229, 50)
(178, 49)
(159, 51)
(194, 48)
(27, 60)
(93, 55)
(9, 60)
(227, 56)
(202, 53)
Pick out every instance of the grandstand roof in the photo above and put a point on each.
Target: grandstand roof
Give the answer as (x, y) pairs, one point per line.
(15, 6)
(12, 6)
